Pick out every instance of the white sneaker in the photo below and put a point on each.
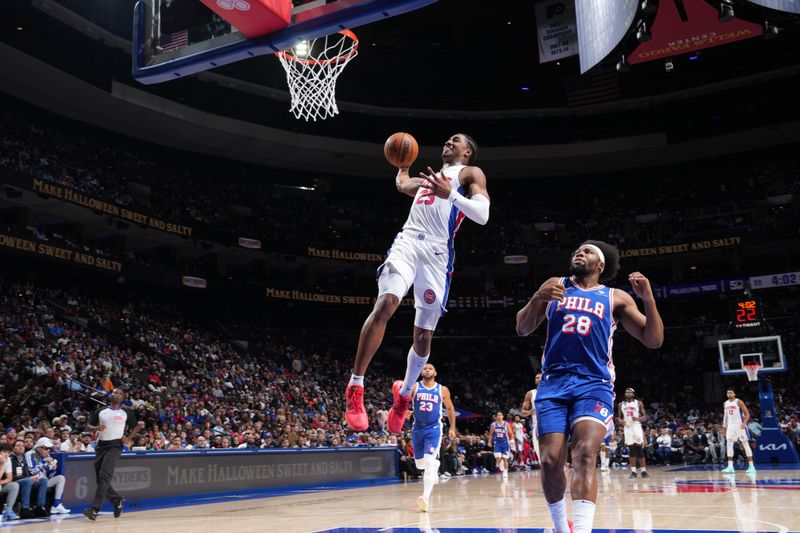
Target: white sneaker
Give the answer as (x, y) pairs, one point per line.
(59, 509)
(422, 503)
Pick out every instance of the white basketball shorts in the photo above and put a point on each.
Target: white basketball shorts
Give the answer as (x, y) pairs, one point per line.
(424, 261)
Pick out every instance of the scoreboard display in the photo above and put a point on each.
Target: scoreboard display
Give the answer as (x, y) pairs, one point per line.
(747, 314)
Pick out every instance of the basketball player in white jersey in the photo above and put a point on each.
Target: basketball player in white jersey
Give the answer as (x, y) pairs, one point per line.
(736, 429)
(422, 255)
(631, 414)
(529, 409)
(519, 439)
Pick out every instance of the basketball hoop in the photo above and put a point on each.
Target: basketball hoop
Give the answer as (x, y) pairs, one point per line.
(752, 370)
(312, 68)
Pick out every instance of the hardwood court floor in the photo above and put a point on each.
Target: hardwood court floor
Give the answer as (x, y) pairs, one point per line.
(670, 500)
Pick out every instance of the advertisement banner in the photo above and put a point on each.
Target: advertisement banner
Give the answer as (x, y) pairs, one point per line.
(693, 289)
(58, 253)
(515, 259)
(556, 29)
(682, 247)
(346, 256)
(142, 476)
(682, 27)
(196, 283)
(252, 244)
(74, 197)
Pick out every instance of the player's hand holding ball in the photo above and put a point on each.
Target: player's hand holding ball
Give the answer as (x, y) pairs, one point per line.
(641, 286)
(552, 289)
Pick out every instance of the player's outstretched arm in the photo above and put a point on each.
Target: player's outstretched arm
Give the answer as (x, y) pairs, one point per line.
(451, 412)
(533, 314)
(647, 328)
(406, 184)
(527, 405)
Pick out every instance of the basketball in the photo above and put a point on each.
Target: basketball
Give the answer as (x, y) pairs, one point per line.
(401, 149)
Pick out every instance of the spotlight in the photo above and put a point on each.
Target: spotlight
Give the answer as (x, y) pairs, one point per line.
(770, 31)
(622, 65)
(726, 13)
(642, 33)
(649, 6)
(301, 49)
(669, 66)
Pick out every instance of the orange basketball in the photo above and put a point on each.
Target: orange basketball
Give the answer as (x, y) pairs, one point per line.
(401, 149)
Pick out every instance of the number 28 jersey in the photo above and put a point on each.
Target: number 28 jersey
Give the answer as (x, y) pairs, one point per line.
(580, 332)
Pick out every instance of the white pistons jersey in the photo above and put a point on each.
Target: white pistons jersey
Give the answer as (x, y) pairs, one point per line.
(632, 431)
(436, 216)
(733, 418)
(630, 410)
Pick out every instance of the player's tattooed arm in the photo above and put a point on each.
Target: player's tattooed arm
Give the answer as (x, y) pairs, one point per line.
(533, 314)
(642, 413)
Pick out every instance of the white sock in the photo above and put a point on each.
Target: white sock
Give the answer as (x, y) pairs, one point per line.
(643, 469)
(558, 512)
(356, 380)
(582, 515)
(430, 477)
(414, 364)
(633, 469)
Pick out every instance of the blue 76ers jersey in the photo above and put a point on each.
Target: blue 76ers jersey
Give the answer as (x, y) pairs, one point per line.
(500, 432)
(427, 406)
(579, 333)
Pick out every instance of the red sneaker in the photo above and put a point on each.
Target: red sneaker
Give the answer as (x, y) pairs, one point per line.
(356, 415)
(397, 414)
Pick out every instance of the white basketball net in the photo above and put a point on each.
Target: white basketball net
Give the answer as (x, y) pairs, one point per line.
(752, 371)
(312, 68)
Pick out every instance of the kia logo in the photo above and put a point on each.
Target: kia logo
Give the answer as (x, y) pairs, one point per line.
(231, 5)
(772, 447)
(370, 465)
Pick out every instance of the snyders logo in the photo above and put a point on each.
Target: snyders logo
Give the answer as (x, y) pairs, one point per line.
(130, 478)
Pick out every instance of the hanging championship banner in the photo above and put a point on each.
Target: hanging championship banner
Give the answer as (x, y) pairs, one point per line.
(556, 29)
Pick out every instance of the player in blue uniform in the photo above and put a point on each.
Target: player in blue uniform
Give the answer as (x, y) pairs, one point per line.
(576, 395)
(499, 433)
(428, 399)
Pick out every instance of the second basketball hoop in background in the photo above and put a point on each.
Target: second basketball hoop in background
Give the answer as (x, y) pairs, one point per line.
(312, 68)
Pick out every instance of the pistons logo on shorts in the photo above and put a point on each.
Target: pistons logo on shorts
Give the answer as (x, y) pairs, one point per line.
(429, 296)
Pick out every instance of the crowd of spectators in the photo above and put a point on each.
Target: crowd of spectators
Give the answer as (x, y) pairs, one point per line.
(725, 196)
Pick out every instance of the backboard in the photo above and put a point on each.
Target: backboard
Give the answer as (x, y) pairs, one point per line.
(177, 38)
(767, 351)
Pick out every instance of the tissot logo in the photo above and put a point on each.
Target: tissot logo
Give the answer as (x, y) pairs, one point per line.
(772, 447)
(131, 478)
(370, 465)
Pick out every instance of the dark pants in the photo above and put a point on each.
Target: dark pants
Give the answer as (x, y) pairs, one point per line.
(104, 464)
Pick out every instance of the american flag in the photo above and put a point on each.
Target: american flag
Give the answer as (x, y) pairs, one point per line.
(173, 41)
(593, 88)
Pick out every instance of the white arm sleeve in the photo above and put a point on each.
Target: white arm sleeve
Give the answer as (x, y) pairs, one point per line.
(475, 208)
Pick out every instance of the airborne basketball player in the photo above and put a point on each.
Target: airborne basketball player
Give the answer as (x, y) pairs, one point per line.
(631, 415)
(422, 255)
(735, 420)
(576, 394)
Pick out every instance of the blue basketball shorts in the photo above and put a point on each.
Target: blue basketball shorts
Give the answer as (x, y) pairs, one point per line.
(501, 448)
(564, 399)
(426, 441)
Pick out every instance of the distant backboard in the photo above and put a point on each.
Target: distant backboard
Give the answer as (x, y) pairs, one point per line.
(766, 351)
(177, 38)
